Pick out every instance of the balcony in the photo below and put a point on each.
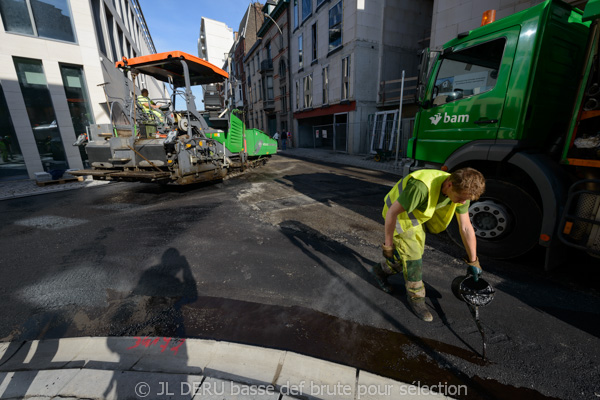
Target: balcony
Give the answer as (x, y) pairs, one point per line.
(268, 105)
(265, 66)
(389, 91)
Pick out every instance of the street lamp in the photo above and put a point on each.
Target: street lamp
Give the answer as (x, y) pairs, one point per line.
(278, 28)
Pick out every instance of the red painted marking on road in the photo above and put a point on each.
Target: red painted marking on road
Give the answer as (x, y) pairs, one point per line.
(147, 342)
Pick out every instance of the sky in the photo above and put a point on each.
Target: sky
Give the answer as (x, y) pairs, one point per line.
(175, 24)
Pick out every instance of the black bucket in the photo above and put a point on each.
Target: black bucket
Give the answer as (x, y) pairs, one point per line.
(477, 294)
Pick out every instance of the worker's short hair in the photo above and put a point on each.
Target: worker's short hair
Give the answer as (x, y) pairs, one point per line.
(144, 90)
(468, 181)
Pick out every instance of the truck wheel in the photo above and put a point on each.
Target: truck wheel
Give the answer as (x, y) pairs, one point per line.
(506, 220)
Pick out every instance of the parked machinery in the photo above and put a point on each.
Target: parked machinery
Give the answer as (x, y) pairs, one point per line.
(163, 145)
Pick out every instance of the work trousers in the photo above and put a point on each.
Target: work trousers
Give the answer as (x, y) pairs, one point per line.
(409, 247)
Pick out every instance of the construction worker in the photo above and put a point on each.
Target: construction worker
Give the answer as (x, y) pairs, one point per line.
(149, 106)
(430, 197)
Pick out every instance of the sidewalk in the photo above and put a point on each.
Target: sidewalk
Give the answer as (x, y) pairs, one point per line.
(28, 187)
(165, 368)
(360, 161)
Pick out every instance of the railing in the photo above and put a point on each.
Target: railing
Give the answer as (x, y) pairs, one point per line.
(266, 65)
(389, 91)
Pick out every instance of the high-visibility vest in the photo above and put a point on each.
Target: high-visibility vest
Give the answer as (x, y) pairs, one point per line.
(143, 100)
(436, 218)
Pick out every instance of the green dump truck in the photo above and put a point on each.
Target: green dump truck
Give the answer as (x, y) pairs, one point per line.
(519, 100)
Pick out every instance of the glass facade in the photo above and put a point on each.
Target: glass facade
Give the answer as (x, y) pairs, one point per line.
(78, 100)
(12, 164)
(41, 113)
(44, 18)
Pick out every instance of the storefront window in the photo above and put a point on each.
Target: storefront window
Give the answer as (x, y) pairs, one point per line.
(78, 100)
(12, 165)
(41, 113)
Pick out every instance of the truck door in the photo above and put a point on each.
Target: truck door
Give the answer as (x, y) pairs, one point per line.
(466, 95)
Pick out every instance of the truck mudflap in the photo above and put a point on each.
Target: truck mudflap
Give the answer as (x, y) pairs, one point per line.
(580, 224)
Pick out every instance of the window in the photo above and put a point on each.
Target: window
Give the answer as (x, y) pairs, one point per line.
(13, 162)
(335, 26)
(468, 72)
(345, 78)
(308, 91)
(268, 51)
(300, 65)
(98, 25)
(282, 69)
(314, 42)
(121, 43)
(77, 100)
(269, 92)
(44, 18)
(40, 110)
(297, 95)
(283, 99)
(258, 86)
(296, 13)
(306, 8)
(326, 85)
(110, 22)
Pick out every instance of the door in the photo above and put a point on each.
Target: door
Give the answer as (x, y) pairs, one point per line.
(466, 95)
(340, 132)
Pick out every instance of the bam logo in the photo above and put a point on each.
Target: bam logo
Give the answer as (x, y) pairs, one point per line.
(449, 118)
(436, 118)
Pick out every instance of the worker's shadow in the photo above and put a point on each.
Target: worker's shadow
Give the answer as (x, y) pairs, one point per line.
(153, 314)
(160, 295)
(311, 241)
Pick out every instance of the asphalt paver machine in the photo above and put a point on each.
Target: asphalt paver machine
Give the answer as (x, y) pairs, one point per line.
(162, 145)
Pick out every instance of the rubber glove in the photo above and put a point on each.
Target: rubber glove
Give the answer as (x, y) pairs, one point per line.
(388, 252)
(474, 269)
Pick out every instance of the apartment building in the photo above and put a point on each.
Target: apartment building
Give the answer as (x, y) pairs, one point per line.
(58, 75)
(269, 63)
(340, 51)
(246, 38)
(214, 44)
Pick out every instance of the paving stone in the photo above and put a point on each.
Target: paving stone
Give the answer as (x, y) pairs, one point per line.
(242, 363)
(218, 389)
(22, 384)
(46, 354)
(171, 356)
(109, 385)
(316, 378)
(7, 350)
(110, 353)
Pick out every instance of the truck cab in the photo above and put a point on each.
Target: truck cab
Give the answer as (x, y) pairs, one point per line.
(504, 99)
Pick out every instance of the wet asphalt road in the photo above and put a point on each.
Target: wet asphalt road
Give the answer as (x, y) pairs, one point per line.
(279, 257)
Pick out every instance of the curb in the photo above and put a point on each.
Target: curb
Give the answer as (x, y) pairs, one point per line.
(135, 367)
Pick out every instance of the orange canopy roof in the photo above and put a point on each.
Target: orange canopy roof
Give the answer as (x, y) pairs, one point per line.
(163, 65)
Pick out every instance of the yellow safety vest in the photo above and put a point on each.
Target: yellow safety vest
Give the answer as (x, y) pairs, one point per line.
(436, 219)
(143, 100)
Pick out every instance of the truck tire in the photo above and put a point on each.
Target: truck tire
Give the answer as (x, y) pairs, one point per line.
(506, 219)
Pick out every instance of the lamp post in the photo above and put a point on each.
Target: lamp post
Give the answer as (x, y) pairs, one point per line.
(278, 28)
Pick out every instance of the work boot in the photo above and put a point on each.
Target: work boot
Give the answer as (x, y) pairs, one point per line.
(417, 304)
(381, 278)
